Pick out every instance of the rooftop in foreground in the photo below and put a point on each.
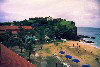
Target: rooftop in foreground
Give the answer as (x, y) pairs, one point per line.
(10, 59)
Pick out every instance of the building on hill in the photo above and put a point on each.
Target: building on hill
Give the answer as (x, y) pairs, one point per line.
(14, 29)
(10, 59)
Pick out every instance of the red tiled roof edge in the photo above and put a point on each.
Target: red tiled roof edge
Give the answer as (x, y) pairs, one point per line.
(14, 27)
(10, 59)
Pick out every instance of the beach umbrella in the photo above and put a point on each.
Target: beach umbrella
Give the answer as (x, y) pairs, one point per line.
(75, 60)
(62, 52)
(85, 65)
(68, 56)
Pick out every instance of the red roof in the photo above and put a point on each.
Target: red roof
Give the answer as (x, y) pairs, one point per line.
(27, 27)
(10, 59)
(8, 27)
(14, 27)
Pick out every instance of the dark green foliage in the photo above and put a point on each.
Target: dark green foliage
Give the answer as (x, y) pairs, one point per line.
(6, 37)
(59, 28)
(9, 33)
(42, 27)
(40, 34)
(30, 45)
(5, 24)
(21, 38)
(3, 37)
(21, 33)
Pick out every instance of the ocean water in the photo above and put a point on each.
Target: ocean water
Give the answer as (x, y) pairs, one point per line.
(92, 32)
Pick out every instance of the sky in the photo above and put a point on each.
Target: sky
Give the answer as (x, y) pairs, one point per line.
(85, 13)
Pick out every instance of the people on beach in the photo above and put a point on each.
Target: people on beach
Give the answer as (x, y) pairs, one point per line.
(77, 43)
(78, 51)
(41, 47)
(85, 49)
(91, 51)
(73, 45)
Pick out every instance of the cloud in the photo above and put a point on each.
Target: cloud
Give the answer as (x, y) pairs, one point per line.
(2, 16)
(1, 1)
(83, 12)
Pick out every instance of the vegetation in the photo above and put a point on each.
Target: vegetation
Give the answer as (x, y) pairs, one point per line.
(53, 62)
(30, 45)
(59, 28)
(45, 30)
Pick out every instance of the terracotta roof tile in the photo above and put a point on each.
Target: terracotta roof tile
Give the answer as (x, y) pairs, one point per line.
(14, 27)
(10, 59)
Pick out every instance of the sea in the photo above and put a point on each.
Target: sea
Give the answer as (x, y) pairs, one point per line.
(92, 32)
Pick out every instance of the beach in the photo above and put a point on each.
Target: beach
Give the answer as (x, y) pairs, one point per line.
(86, 53)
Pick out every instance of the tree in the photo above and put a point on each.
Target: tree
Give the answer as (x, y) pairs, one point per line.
(9, 33)
(21, 37)
(20, 43)
(21, 32)
(6, 24)
(30, 45)
(6, 37)
(40, 34)
(66, 30)
(59, 28)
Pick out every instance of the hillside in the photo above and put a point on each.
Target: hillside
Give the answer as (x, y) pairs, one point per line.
(59, 28)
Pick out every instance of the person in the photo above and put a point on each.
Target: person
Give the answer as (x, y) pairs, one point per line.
(41, 47)
(77, 43)
(78, 51)
(85, 49)
(73, 45)
(91, 51)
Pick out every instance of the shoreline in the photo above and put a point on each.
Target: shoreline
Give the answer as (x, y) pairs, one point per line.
(91, 44)
(87, 52)
(92, 41)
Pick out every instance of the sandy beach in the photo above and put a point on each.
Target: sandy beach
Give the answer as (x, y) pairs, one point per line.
(86, 53)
